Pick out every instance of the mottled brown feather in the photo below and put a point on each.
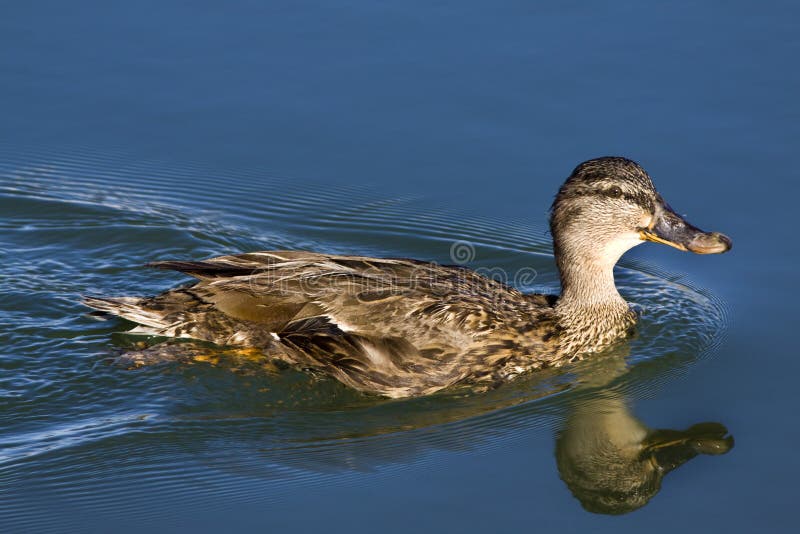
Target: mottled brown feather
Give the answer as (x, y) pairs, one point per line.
(394, 327)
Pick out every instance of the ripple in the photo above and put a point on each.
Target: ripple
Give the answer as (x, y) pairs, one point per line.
(83, 431)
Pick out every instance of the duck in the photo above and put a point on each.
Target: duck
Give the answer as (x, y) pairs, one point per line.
(397, 327)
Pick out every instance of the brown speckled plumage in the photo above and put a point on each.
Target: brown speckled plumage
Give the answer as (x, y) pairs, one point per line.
(391, 326)
(399, 327)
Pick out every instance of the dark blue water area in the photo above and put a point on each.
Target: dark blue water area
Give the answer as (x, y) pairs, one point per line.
(150, 130)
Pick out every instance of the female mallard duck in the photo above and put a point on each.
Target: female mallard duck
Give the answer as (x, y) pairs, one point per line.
(400, 327)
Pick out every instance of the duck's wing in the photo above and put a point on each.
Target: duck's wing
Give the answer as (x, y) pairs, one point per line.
(386, 297)
(396, 327)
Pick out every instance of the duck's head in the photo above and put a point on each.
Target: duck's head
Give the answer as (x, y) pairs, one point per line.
(609, 205)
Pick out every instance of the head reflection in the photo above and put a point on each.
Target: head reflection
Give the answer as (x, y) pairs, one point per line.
(611, 461)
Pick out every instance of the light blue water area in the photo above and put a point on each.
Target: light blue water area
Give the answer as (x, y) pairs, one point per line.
(145, 131)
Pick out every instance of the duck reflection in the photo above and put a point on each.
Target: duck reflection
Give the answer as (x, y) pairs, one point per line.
(611, 461)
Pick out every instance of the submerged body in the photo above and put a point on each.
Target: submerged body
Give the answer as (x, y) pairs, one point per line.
(400, 327)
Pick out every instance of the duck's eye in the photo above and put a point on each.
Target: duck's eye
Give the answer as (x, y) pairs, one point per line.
(614, 192)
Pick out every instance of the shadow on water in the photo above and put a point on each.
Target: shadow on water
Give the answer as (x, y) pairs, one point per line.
(220, 423)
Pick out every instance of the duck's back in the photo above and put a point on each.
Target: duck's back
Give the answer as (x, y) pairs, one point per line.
(395, 327)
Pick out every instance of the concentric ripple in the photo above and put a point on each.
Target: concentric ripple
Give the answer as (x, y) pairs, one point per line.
(78, 431)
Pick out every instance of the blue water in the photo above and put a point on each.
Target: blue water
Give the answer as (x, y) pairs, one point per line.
(151, 130)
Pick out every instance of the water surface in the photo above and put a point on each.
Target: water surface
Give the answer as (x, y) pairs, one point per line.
(139, 133)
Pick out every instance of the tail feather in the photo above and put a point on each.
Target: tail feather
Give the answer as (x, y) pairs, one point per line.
(130, 308)
(204, 269)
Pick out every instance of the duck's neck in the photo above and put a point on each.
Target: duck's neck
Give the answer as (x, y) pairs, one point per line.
(591, 310)
(588, 285)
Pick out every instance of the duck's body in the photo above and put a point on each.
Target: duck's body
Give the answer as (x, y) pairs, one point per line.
(395, 327)
(400, 327)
